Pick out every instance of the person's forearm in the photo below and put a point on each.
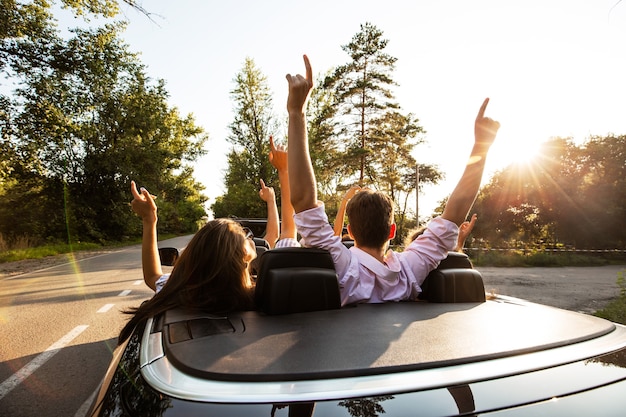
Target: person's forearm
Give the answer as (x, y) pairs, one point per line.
(271, 228)
(462, 198)
(288, 225)
(301, 176)
(150, 260)
(339, 220)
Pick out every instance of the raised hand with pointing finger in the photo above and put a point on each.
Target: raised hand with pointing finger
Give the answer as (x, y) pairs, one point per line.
(143, 204)
(299, 88)
(279, 158)
(301, 175)
(268, 195)
(462, 198)
(485, 128)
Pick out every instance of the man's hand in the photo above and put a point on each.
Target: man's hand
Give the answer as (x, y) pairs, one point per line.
(485, 129)
(467, 226)
(299, 89)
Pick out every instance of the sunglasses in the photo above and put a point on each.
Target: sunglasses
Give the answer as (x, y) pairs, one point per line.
(248, 233)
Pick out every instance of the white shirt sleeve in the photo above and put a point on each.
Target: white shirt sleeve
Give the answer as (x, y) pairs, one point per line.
(317, 232)
(288, 242)
(161, 282)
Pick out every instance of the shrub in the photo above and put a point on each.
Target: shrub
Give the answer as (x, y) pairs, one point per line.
(616, 310)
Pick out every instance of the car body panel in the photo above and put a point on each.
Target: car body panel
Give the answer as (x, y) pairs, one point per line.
(593, 386)
(276, 367)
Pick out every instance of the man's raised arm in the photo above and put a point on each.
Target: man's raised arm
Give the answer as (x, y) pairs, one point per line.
(462, 198)
(301, 176)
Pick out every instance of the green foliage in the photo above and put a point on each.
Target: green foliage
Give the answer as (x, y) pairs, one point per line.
(105, 8)
(39, 252)
(82, 121)
(532, 258)
(357, 134)
(572, 195)
(359, 124)
(616, 310)
(248, 161)
(361, 90)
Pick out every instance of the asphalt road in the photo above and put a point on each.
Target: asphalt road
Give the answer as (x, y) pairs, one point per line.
(583, 289)
(58, 325)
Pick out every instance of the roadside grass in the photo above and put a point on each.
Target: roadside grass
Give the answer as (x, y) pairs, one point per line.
(616, 310)
(542, 259)
(22, 249)
(40, 252)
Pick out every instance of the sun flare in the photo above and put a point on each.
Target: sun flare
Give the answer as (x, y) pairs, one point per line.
(521, 153)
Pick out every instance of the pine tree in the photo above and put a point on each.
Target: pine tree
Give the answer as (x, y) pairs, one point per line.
(373, 138)
(248, 160)
(362, 93)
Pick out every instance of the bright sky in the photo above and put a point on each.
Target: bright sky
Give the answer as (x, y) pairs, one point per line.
(550, 67)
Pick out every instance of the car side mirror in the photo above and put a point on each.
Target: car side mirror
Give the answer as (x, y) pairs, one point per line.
(168, 256)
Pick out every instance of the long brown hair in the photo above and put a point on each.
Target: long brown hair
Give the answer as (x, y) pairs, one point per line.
(211, 274)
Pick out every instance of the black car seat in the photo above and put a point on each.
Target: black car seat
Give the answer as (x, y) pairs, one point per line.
(454, 281)
(295, 280)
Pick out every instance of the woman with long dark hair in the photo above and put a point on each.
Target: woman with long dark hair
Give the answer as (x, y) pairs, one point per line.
(211, 274)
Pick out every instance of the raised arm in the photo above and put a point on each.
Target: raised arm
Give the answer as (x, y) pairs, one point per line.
(271, 229)
(301, 176)
(279, 159)
(464, 230)
(341, 213)
(143, 204)
(462, 198)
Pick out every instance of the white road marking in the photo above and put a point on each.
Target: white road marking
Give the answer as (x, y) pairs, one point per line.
(84, 409)
(18, 377)
(105, 308)
(138, 282)
(124, 293)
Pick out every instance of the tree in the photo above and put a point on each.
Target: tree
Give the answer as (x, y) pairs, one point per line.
(603, 190)
(362, 94)
(571, 195)
(34, 21)
(248, 161)
(323, 147)
(393, 139)
(374, 140)
(83, 120)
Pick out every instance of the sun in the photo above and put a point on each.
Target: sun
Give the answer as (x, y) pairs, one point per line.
(526, 153)
(521, 153)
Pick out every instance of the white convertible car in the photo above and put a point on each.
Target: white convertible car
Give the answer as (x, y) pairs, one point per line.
(454, 353)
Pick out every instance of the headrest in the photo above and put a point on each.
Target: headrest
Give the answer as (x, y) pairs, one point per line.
(456, 285)
(295, 280)
(259, 241)
(454, 281)
(455, 260)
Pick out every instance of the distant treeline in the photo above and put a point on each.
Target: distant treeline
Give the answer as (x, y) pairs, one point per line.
(570, 197)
